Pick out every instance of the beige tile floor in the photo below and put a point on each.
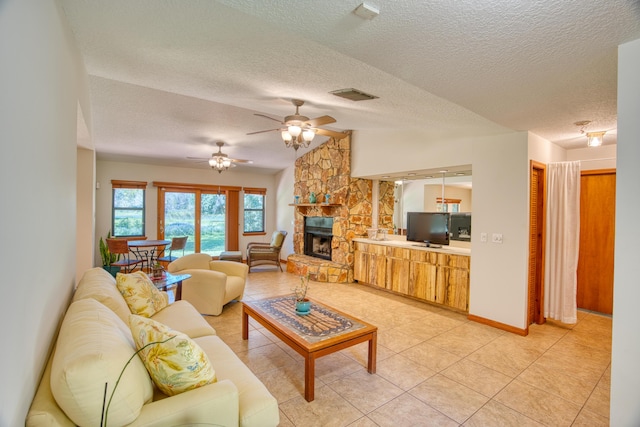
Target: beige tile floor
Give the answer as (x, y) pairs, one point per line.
(435, 368)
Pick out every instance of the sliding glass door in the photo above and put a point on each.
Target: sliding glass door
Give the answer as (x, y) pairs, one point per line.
(197, 214)
(213, 211)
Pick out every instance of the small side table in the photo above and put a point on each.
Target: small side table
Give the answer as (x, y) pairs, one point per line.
(169, 281)
(231, 256)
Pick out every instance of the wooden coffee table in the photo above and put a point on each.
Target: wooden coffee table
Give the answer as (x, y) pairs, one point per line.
(323, 331)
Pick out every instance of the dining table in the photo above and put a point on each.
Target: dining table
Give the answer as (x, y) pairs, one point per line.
(147, 250)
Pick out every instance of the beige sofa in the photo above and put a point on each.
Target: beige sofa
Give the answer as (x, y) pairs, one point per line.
(94, 345)
(212, 284)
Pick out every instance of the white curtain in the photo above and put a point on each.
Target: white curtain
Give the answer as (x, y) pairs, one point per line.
(563, 241)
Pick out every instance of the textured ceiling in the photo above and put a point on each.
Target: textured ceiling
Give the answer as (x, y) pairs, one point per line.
(169, 78)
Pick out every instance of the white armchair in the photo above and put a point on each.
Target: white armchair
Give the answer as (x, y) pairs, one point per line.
(212, 283)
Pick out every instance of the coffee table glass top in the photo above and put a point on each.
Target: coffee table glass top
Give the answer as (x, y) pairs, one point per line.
(320, 324)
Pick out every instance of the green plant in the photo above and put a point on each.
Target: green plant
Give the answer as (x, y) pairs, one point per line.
(300, 290)
(107, 257)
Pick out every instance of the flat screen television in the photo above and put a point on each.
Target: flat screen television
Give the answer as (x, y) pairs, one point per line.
(431, 228)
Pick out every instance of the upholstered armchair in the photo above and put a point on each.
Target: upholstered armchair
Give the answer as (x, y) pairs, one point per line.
(259, 253)
(212, 283)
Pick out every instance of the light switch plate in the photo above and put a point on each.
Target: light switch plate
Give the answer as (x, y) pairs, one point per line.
(496, 238)
(483, 237)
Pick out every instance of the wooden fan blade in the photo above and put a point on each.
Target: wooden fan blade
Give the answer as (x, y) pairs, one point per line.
(246, 162)
(263, 131)
(327, 132)
(199, 158)
(267, 117)
(319, 121)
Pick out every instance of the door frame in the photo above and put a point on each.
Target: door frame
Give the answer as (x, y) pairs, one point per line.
(232, 208)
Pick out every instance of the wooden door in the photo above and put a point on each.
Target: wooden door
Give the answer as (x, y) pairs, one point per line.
(597, 238)
(537, 203)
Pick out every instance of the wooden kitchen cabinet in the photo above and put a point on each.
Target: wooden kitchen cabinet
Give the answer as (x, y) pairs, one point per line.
(424, 274)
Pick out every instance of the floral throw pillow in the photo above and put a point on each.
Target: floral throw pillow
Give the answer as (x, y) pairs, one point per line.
(141, 295)
(174, 361)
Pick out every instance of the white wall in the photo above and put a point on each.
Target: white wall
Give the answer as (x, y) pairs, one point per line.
(625, 373)
(371, 154)
(40, 80)
(85, 211)
(500, 205)
(603, 157)
(285, 214)
(544, 151)
(107, 171)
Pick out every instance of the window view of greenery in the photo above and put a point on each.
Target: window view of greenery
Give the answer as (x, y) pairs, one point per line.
(212, 216)
(128, 212)
(179, 216)
(253, 213)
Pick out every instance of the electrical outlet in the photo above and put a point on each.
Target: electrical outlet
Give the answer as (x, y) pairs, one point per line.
(496, 238)
(483, 237)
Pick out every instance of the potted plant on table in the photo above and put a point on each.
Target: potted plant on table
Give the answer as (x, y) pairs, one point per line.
(303, 305)
(157, 271)
(108, 258)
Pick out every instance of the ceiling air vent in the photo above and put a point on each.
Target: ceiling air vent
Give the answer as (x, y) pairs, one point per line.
(353, 94)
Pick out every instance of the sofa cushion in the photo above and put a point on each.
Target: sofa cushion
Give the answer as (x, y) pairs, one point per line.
(98, 284)
(183, 317)
(141, 295)
(92, 349)
(257, 406)
(176, 363)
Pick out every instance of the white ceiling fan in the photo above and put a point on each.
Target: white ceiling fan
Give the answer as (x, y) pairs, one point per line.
(298, 130)
(220, 161)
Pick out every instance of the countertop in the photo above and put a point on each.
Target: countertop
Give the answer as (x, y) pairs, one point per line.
(415, 245)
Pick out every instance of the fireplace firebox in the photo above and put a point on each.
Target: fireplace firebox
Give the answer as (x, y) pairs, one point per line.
(318, 232)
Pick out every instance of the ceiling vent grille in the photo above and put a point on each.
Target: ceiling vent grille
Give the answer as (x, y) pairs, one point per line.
(353, 94)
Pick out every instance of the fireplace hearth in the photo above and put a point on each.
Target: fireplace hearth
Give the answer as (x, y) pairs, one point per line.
(318, 232)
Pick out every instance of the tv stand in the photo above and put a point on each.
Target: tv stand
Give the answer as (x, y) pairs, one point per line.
(431, 245)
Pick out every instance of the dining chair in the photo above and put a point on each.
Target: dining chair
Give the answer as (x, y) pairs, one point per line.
(121, 247)
(177, 244)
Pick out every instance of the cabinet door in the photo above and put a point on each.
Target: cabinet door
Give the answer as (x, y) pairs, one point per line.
(398, 275)
(456, 287)
(377, 270)
(361, 266)
(422, 280)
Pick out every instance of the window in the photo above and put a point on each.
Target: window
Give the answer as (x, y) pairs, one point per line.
(128, 208)
(254, 210)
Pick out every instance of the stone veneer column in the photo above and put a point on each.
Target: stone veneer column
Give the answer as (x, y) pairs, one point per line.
(327, 170)
(386, 205)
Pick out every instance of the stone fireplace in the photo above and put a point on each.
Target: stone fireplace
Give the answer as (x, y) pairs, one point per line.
(318, 234)
(327, 170)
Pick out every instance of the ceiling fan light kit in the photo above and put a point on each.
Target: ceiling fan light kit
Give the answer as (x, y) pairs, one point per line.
(299, 130)
(220, 161)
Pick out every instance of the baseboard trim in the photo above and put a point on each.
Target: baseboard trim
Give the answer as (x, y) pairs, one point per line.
(498, 325)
